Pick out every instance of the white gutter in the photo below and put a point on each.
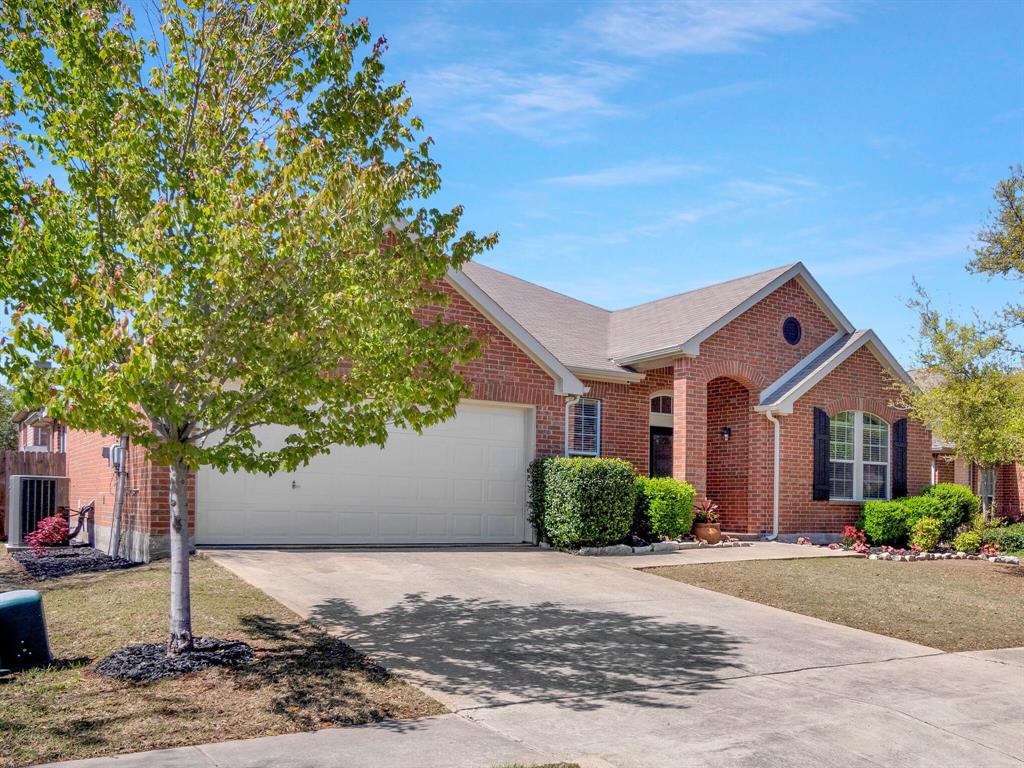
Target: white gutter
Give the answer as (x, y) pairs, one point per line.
(775, 479)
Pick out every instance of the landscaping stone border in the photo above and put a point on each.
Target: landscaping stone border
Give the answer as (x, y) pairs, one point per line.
(657, 547)
(915, 556)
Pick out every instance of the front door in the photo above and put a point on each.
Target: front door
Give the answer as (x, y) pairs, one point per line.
(661, 452)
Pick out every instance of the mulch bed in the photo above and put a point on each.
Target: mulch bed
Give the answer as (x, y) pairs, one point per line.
(64, 561)
(148, 662)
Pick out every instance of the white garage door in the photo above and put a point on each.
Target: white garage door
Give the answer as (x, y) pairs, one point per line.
(462, 481)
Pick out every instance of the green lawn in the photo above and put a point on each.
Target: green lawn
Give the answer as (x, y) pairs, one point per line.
(303, 679)
(954, 605)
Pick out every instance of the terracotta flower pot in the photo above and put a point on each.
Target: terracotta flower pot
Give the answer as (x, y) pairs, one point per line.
(710, 532)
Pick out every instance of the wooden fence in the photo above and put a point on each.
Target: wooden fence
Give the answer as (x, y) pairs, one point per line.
(30, 463)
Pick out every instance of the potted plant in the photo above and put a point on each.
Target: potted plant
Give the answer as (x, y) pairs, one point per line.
(706, 523)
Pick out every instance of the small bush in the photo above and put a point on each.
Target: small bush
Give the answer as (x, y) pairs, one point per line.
(664, 507)
(587, 502)
(926, 534)
(969, 542)
(50, 532)
(1009, 538)
(890, 522)
(956, 506)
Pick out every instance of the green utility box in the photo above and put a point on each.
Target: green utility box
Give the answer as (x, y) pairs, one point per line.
(23, 642)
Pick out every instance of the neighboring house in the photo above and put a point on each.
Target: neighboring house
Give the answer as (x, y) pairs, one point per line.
(37, 432)
(758, 391)
(1000, 487)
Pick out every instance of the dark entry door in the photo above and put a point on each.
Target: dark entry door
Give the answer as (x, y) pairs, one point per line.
(661, 452)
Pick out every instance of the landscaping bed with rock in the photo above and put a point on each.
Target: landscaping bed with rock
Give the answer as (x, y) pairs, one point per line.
(658, 547)
(55, 562)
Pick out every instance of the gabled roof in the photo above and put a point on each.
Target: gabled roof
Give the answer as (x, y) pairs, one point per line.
(566, 382)
(780, 396)
(574, 331)
(596, 343)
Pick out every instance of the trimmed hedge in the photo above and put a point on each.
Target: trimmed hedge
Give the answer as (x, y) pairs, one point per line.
(535, 489)
(587, 502)
(1009, 538)
(890, 522)
(664, 507)
(956, 506)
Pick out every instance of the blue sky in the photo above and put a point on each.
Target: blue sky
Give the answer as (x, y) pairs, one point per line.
(627, 152)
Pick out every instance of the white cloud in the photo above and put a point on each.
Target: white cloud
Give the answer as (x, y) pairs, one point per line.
(547, 106)
(703, 26)
(629, 174)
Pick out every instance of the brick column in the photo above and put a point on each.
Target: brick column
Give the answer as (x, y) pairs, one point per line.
(689, 426)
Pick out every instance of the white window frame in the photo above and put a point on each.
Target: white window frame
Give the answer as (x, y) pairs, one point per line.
(569, 405)
(858, 459)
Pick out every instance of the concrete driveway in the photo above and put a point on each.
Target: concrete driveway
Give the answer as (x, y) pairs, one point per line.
(580, 659)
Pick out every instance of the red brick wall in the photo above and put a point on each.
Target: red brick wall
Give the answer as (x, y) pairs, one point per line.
(625, 416)
(728, 461)
(861, 384)
(1010, 490)
(751, 351)
(945, 468)
(146, 508)
(506, 374)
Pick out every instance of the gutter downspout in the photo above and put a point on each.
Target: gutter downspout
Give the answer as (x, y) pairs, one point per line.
(775, 479)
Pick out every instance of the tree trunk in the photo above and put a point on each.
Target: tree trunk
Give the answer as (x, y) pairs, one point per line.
(122, 476)
(180, 639)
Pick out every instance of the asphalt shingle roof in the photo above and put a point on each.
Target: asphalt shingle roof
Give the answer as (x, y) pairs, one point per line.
(582, 335)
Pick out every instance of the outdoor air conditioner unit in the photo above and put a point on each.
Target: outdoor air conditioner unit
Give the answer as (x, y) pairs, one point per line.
(30, 498)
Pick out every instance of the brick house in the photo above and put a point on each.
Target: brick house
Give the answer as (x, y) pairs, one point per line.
(37, 432)
(758, 391)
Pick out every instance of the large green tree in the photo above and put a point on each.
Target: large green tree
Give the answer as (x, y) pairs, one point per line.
(214, 218)
(8, 429)
(973, 393)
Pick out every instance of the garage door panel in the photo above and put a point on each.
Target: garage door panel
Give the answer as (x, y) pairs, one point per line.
(461, 481)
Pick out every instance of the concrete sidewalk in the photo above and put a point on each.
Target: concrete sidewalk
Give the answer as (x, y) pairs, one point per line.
(436, 742)
(758, 550)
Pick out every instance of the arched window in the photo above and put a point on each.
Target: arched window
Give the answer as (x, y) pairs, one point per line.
(858, 456)
(661, 409)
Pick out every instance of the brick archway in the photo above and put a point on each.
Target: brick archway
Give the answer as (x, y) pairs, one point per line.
(729, 411)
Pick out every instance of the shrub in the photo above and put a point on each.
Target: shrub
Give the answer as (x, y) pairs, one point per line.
(587, 502)
(535, 489)
(852, 536)
(664, 507)
(50, 532)
(967, 542)
(926, 534)
(1008, 538)
(890, 522)
(956, 506)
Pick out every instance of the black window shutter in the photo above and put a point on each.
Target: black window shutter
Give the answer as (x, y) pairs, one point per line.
(821, 460)
(899, 458)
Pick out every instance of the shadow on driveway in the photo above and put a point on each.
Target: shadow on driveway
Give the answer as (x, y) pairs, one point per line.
(495, 652)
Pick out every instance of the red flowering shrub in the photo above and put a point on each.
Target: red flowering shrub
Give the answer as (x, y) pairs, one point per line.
(989, 550)
(851, 537)
(51, 531)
